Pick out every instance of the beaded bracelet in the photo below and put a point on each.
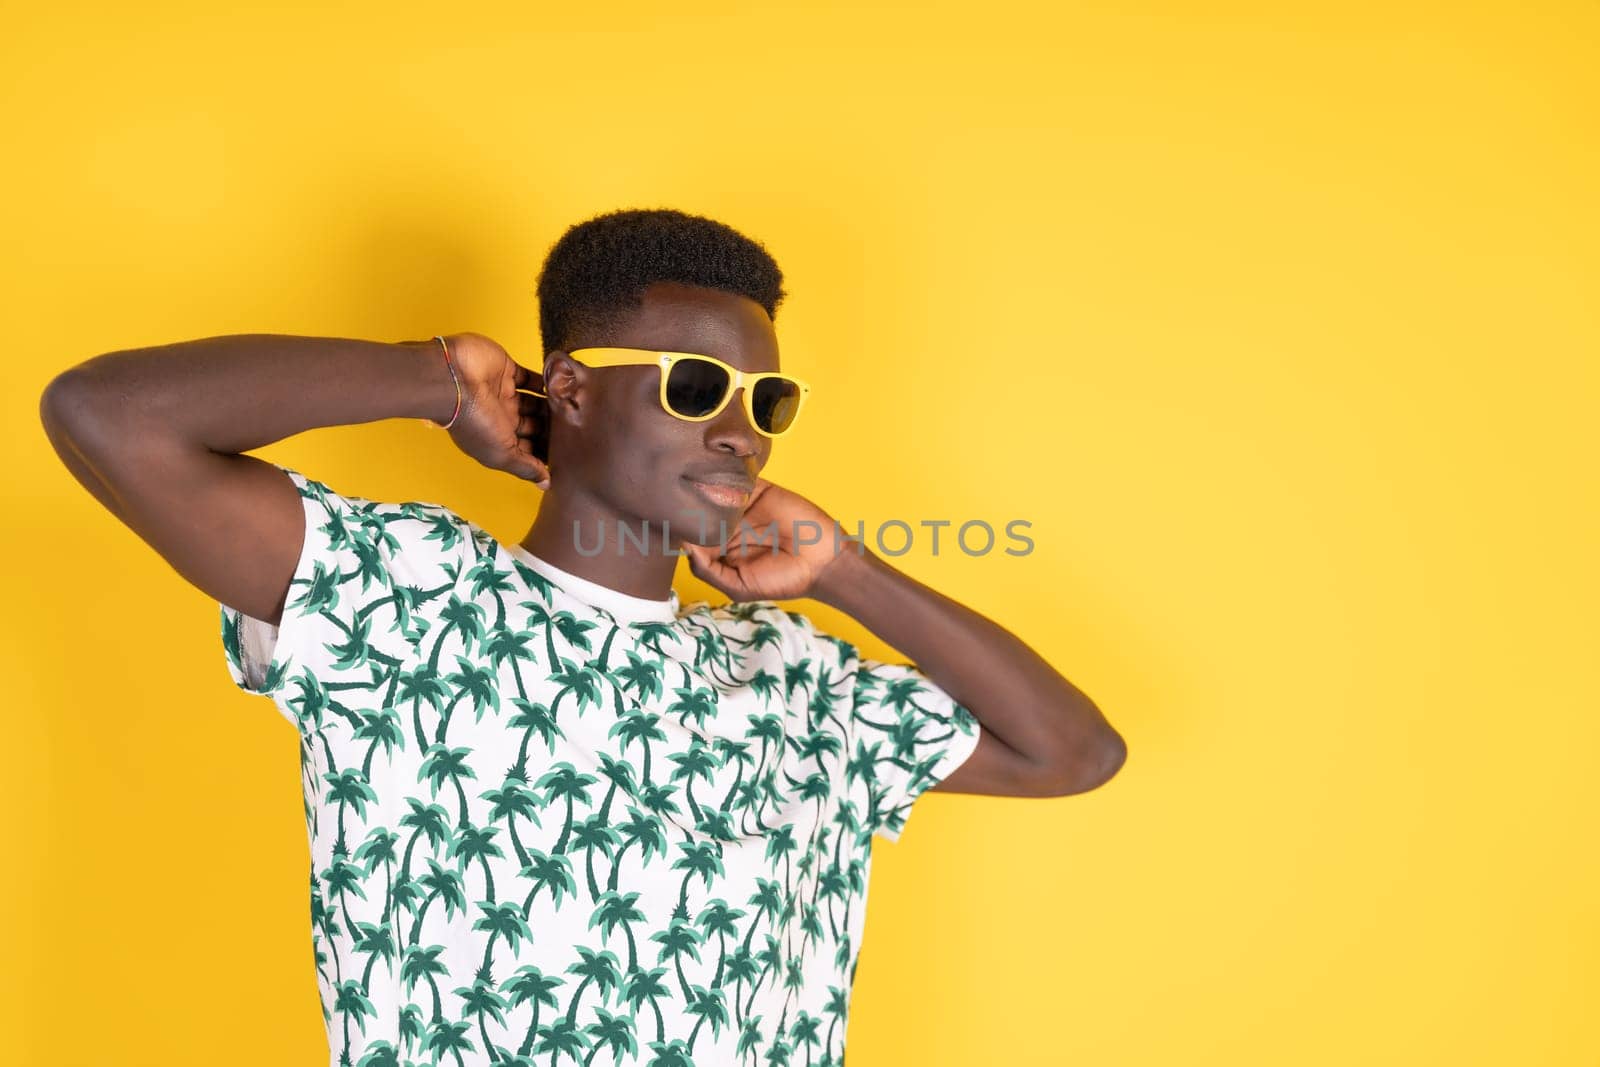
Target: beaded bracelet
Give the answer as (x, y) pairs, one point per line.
(448, 362)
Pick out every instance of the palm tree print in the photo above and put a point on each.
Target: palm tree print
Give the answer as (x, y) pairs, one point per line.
(554, 824)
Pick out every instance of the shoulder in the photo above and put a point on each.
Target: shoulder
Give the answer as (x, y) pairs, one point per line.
(767, 623)
(818, 641)
(442, 522)
(412, 536)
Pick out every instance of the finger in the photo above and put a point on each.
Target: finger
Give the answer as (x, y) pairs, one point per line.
(752, 541)
(527, 378)
(699, 556)
(705, 565)
(726, 576)
(539, 467)
(526, 467)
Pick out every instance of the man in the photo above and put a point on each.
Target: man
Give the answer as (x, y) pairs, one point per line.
(552, 811)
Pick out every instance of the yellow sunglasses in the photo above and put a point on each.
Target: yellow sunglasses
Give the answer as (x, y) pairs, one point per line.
(696, 388)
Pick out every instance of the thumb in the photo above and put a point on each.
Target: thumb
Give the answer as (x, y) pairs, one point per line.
(527, 467)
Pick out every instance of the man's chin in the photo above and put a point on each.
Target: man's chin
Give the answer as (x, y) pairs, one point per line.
(703, 527)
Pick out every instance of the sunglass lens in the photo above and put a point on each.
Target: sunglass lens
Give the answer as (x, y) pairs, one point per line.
(776, 401)
(695, 387)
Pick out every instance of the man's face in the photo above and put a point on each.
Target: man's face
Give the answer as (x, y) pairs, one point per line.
(635, 460)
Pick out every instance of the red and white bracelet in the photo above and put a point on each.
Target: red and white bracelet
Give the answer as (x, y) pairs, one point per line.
(448, 362)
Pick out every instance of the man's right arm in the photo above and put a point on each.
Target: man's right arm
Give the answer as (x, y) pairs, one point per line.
(155, 434)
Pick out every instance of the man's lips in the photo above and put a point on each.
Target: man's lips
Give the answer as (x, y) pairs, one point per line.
(722, 490)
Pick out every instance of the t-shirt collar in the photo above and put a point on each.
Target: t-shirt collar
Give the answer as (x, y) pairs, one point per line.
(614, 602)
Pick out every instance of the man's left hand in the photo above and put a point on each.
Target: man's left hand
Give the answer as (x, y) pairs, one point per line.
(781, 547)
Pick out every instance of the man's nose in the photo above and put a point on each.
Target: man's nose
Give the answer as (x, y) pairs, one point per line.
(731, 427)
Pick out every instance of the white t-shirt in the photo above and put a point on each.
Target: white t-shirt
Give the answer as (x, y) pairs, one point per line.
(546, 814)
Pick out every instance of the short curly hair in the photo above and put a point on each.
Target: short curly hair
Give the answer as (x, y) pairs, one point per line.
(596, 273)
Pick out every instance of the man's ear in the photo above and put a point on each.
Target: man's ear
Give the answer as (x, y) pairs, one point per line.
(566, 387)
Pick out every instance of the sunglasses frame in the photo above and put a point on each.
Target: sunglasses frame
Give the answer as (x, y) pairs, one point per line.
(738, 379)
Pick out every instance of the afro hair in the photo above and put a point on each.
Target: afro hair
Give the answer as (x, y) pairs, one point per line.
(596, 273)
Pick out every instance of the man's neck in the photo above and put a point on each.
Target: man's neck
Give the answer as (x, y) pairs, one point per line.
(568, 522)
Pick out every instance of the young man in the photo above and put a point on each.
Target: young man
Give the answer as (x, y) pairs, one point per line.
(553, 812)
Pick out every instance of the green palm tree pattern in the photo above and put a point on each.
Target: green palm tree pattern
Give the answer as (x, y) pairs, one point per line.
(553, 823)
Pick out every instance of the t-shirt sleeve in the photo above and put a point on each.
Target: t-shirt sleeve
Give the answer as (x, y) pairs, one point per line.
(358, 602)
(906, 733)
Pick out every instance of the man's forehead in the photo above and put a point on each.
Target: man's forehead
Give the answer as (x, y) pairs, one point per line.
(679, 318)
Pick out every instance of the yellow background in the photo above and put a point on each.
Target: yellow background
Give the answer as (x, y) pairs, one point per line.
(1278, 325)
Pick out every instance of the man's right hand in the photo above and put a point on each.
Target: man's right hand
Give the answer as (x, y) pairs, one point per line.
(501, 428)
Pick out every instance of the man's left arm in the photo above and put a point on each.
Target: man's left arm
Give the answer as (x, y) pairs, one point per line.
(1040, 735)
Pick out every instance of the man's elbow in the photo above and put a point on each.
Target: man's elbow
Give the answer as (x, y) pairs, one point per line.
(1092, 764)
